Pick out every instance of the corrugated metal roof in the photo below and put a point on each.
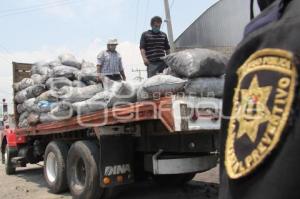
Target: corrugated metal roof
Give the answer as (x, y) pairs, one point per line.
(222, 25)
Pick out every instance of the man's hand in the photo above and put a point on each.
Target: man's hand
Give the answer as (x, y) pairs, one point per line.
(146, 62)
(143, 53)
(99, 79)
(123, 75)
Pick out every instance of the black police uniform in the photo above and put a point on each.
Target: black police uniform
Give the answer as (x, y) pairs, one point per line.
(260, 142)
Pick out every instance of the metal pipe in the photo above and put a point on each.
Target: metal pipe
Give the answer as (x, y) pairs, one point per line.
(169, 25)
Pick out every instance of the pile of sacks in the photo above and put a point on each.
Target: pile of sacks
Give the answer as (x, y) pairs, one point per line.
(196, 72)
(63, 88)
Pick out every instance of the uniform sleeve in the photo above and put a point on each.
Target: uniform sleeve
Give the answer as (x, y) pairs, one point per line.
(143, 41)
(100, 59)
(167, 44)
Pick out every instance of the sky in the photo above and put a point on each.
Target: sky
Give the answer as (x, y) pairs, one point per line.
(40, 30)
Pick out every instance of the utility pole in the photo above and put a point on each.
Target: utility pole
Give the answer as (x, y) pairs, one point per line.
(169, 25)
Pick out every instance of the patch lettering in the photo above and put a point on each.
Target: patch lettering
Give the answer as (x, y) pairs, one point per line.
(261, 105)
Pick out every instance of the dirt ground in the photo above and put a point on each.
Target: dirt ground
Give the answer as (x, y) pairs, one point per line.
(29, 183)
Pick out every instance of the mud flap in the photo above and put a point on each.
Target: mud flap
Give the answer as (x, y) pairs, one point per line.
(116, 160)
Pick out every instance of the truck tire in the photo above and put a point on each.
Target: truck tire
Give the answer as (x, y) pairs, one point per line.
(82, 172)
(3, 157)
(173, 179)
(55, 166)
(10, 169)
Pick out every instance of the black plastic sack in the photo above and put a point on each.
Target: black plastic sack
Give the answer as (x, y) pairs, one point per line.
(30, 92)
(56, 83)
(39, 79)
(77, 94)
(69, 60)
(205, 87)
(23, 84)
(41, 68)
(64, 71)
(193, 63)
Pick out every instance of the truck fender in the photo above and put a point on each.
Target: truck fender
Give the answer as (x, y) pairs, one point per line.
(116, 159)
(11, 138)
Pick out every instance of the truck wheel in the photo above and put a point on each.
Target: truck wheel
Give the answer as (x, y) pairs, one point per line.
(10, 169)
(82, 172)
(173, 179)
(55, 166)
(3, 157)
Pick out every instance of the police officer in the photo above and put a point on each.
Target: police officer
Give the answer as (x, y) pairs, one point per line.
(260, 143)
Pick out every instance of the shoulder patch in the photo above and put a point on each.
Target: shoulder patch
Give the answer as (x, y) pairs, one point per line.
(261, 105)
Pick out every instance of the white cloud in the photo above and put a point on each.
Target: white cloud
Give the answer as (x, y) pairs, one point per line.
(129, 52)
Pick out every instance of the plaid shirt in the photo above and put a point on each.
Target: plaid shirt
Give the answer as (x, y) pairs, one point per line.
(110, 62)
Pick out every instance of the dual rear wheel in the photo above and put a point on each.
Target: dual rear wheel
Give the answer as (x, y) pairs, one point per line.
(75, 168)
(83, 176)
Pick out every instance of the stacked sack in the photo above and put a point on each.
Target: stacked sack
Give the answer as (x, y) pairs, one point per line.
(57, 90)
(196, 72)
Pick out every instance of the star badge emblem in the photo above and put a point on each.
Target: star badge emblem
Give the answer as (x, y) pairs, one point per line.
(261, 106)
(254, 110)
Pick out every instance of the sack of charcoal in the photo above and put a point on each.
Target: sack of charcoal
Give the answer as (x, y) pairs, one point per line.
(159, 86)
(23, 84)
(30, 92)
(39, 79)
(116, 94)
(68, 59)
(50, 96)
(65, 71)
(23, 123)
(77, 94)
(87, 74)
(41, 68)
(56, 83)
(205, 87)
(194, 63)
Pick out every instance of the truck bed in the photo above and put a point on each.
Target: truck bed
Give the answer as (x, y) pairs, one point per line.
(176, 113)
(135, 112)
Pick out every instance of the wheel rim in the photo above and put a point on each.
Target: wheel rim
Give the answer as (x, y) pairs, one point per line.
(51, 167)
(80, 172)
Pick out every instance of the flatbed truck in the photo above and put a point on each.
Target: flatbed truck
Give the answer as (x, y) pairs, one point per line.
(169, 139)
